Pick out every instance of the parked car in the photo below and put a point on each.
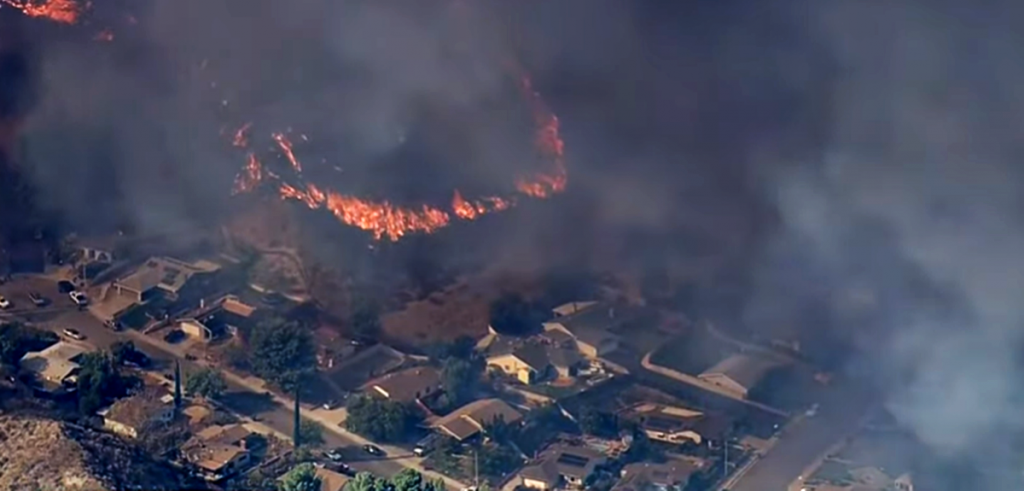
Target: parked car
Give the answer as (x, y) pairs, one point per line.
(73, 334)
(344, 469)
(330, 405)
(174, 336)
(78, 298)
(426, 445)
(37, 299)
(4, 303)
(373, 450)
(191, 357)
(65, 286)
(335, 454)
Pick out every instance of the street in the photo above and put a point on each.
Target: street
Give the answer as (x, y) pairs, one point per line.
(61, 314)
(839, 416)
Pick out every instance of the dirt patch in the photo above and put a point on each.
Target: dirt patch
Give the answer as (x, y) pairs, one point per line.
(463, 309)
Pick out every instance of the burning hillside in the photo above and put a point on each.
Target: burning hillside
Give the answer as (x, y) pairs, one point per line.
(384, 219)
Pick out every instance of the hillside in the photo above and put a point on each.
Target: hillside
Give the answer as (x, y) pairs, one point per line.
(37, 453)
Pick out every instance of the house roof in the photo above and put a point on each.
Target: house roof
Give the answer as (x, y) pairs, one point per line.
(574, 462)
(228, 435)
(137, 410)
(594, 324)
(533, 355)
(213, 456)
(563, 357)
(470, 419)
(330, 480)
(166, 273)
(638, 476)
(545, 471)
(54, 363)
(236, 306)
(409, 384)
(746, 370)
(571, 308)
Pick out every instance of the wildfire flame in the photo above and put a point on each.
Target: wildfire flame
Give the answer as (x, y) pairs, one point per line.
(62, 11)
(386, 220)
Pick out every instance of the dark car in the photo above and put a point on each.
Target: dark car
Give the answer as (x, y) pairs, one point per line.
(37, 299)
(138, 359)
(174, 336)
(65, 286)
(373, 450)
(344, 469)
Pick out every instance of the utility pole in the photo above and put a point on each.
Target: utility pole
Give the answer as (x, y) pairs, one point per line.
(177, 384)
(296, 436)
(476, 469)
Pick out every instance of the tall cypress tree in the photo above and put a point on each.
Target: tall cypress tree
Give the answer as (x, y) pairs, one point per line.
(177, 384)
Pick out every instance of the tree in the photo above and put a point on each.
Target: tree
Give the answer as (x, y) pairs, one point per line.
(122, 351)
(499, 430)
(17, 339)
(311, 433)
(498, 460)
(407, 480)
(301, 478)
(377, 419)
(99, 382)
(364, 481)
(511, 314)
(598, 423)
(462, 348)
(365, 320)
(460, 379)
(207, 383)
(282, 353)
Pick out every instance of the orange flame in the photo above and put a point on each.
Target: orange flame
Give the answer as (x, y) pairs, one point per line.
(241, 139)
(286, 147)
(384, 219)
(62, 11)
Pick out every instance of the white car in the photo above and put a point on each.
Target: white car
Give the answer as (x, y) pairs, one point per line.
(78, 297)
(4, 303)
(73, 334)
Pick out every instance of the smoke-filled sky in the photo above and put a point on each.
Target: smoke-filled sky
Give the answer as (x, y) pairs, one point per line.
(875, 142)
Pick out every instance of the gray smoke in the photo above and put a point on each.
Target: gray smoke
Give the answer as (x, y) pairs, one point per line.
(909, 224)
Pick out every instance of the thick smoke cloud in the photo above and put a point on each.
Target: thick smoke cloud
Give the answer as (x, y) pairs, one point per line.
(907, 228)
(880, 136)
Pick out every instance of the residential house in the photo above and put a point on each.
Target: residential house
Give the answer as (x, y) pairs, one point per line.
(562, 465)
(677, 425)
(471, 419)
(645, 476)
(572, 308)
(136, 414)
(528, 364)
(736, 375)
(196, 329)
(408, 385)
(55, 367)
(220, 451)
(331, 480)
(592, 328)
(99, 249)
(532, 362)
(166, 276)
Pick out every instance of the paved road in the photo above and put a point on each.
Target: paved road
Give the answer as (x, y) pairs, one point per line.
(841, 411)
(61, 313)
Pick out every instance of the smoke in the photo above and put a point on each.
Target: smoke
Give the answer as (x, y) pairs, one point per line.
(907, 227)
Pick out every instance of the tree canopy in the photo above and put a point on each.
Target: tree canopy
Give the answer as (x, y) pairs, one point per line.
(311, 432)
(377, 419)
(364, 320)
(17, 339)
(406, 480)
(206, 382)
(301, 478)
(282, 352)
(100, 381)
(512, 314)
(460, 379)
